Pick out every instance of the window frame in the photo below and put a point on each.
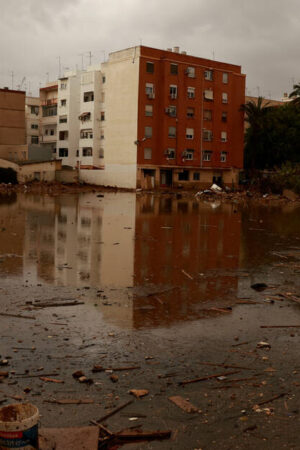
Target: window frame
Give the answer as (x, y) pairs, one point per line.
(172, 135)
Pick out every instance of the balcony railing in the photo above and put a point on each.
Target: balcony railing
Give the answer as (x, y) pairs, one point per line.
(49, 102)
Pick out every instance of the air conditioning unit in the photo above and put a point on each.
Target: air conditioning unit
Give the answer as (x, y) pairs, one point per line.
(151, 95)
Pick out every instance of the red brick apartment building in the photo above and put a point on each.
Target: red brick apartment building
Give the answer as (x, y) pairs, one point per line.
(12, 125)
(190, 127)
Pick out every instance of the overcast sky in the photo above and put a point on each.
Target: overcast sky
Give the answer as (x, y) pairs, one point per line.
(263, 36)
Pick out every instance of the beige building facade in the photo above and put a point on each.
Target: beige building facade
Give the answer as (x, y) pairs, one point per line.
(32, 108)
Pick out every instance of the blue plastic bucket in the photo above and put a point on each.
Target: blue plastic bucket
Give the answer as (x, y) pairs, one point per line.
(19, 427)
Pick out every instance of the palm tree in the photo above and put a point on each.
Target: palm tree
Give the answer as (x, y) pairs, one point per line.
(256, 117)
(255, 111)
(295, 94)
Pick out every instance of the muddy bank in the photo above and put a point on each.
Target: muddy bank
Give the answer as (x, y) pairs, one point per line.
(239, 196)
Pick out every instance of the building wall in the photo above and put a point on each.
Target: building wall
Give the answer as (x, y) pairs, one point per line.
(48, 124)
(68, 89)
(12, 117)
(121, 114)
(14, 152)
(161, 78)
(32, 105)
(91, 82)
(44, 171)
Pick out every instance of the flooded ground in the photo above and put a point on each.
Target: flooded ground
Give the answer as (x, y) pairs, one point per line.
(159, 285)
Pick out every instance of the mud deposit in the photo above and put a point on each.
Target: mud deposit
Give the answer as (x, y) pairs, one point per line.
(156, 292)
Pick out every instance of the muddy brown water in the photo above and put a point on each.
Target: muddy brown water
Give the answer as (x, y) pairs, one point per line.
(164, 281)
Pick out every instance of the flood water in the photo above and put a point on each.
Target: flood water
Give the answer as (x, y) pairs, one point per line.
(158, 260)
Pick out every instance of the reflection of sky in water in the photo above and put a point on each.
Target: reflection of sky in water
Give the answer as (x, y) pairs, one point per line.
(168, 254)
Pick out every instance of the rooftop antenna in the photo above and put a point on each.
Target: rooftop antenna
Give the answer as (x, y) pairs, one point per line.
(82, 55)
(213, 55)
(47, 77)
(59, 67)
(90, 57)
(12, 79)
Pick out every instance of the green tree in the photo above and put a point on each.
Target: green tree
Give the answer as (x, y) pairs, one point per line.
(273, 134)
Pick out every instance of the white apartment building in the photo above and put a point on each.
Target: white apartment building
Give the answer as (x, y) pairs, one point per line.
(48, 116)
(32, 107)
(68, 107)
(91, 119)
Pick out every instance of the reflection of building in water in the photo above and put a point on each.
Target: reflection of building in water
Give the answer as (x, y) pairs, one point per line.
(188, 245)
(39, 239)
(94, 240)
(12, 222)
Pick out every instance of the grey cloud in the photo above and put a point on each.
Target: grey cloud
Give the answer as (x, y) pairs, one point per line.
(263, 36)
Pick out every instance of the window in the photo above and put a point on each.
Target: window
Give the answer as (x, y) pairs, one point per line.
(149, 67)
(183, 176)
(63, 85)
(34, 126)
(102, 116)
(224, 116)
(196, 176)
(63, 119)
(77, 153)
(208, 95)
(86, 134)
(207, 155)
(148, 132)
(190, 112)
(171, 111)
(188, 154)
(191, 92)
(207, 114)
(223, 136)
(172, 132)
(207, 135)
(189, 133)
(224, 97)
(149, 110)
(208, 75)
(150, 90)
(170, 153)
(88, 96)
(223, 157)
(174, 69)
(190, 71)
(225, 77)
(52, 132)
(63, 102)
(103, 79)
(49, 111)
(46, 132)
(173, 91)
(101, 153)
(34, 139)
(34, 110)
(63, 135)
(63, 152)
(101, 134)
(87, 151)
(147, 153)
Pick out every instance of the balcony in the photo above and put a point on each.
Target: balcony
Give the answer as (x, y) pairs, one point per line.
(46, 139)
(49, 102)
